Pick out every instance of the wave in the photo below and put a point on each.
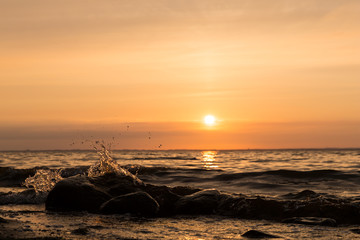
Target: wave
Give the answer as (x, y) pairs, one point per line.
(10, 176)
(163, 158)
(314, 174)
(14, 177)
(271, 183)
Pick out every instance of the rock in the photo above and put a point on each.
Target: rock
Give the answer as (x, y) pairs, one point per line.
(165, 197)
(355, 230)
(82, 193)
(3, 220)
(312, 221)
(306, 194)
(259, 208)
(258, 234)
(80, 231)
(202, 202)
(140, 203)
(117, 185)
(227, 203)
(76, 193)
(184, 190)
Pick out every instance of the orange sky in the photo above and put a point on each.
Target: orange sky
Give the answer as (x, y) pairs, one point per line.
(276, 74)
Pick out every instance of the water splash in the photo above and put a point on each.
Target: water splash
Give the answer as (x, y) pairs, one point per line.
(107, 164)
(44, 180)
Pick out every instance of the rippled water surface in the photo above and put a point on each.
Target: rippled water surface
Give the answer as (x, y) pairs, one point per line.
(269, 172)
(230, 161)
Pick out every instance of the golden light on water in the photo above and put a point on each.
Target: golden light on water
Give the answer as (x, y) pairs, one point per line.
(209, 120)
(208, 158)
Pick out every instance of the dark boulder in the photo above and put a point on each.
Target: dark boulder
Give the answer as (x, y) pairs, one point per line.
(303, 195)
(165, 197)
(3, 220)
(140, 203)
(259, 208)
(258, 234)
(202, 202)
(76, 193)
(184, 190)
(117, 185)
(82, 193)
(80, 231)
(355, 230)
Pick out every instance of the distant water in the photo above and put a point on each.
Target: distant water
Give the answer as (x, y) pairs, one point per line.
(265, 172)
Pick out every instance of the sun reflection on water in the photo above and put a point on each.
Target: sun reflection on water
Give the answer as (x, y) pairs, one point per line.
(208, 158)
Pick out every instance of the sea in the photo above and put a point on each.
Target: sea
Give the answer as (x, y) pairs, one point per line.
(268, 173)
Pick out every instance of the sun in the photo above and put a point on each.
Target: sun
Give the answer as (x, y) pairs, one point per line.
(209, 120)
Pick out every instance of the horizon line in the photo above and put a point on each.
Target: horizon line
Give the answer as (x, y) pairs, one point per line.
(208, 149)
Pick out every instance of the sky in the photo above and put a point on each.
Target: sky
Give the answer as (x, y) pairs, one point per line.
(142, 74)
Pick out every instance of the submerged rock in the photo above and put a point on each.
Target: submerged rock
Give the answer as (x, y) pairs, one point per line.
(140, 203)
(184, 190)
(306, 194)
(312, 221)
(355, 230)
(202, 202)
(258, 234)
(3, 220)
(80, 231)
(165, 198)
(76, 194)
(258, 208)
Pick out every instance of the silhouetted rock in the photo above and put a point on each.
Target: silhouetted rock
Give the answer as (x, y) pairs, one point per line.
(3, 220)
(140, 203)
(258, 234)
(129, 194)
(306, 194)
(259, 208)
(117, 185)
(312, 221)
(76, 193)
(202, 202)
(184, 190)
(165, 197)
(80, 231)
(355, 230)
(79, 193)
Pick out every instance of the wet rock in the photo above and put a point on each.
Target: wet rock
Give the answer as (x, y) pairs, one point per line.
(165, 197)
(80, 231)
(117, 185)
(140, 203)
(82, 193)
(258, 234)
(97, 227)
(343, 211)
(355, 230)
(259, 208)
(184, 190)
(76, 194)
(312, 221)
(306, 194)
(202, 202)
(3, 220)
